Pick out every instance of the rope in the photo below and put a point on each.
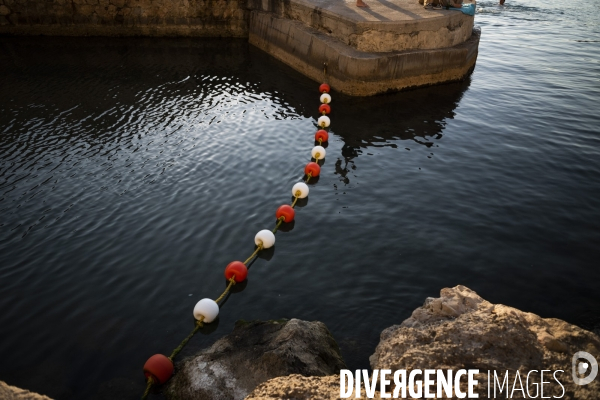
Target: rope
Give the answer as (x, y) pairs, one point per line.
(280, 221)
(231, 283)
(259, 248)
(199, 325)
(148, 387)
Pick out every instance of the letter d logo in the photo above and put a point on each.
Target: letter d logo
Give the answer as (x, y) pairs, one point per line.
(582, 367)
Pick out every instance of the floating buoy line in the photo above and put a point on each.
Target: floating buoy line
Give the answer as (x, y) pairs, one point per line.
(158, 369)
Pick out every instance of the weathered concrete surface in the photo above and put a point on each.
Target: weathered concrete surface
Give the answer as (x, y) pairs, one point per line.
(385, 26)
(254, 353)
(461, 330)
(8, 392)
(208, 18)
(355, 72)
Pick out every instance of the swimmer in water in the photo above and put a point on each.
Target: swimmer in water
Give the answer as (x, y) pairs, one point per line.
(361, 3)
(501, 2)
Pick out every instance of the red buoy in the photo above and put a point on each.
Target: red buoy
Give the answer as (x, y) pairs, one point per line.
(321, 134)
(324, 108)
(287, 212)
(313, 169)
(324, 88)
(159, 367)
(238, 269)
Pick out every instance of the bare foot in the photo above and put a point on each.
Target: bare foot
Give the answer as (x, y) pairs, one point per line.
(361, 3)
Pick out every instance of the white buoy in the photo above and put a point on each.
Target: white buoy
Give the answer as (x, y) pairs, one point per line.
(318, 152)
(300, 190)
(206, 308)
(325, 98)
(265, 238)
(323, 121)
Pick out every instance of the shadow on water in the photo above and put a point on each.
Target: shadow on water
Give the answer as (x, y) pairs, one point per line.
(417, 115)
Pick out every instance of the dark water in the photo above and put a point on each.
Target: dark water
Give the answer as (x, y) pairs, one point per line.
(132, 171)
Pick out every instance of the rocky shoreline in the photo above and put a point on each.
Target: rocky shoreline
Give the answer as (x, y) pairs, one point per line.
(294, 359)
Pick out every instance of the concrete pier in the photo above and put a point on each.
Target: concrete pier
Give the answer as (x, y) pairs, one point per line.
(389, 46)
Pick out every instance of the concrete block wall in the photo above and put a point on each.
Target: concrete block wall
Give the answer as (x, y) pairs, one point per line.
(354, 72)
(448, 30)
(214, 18)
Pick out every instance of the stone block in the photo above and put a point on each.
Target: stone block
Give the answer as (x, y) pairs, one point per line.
(355, 72)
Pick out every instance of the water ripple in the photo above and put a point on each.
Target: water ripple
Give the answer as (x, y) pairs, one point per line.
(132, 171)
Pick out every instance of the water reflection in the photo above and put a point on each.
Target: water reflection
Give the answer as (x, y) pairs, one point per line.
(133, 170)
(415, 115)
(420, 117)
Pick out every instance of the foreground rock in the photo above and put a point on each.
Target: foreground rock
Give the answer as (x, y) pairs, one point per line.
(254, 353)
(462, 330)
(298, 387)
(8, 392)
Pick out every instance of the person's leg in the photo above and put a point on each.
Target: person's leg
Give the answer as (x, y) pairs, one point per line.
(361, 3)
